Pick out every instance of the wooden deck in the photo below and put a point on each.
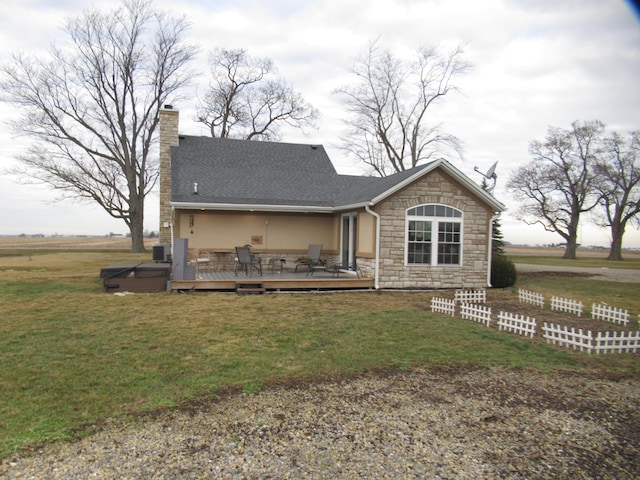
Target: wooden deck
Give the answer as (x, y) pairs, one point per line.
(274, 281)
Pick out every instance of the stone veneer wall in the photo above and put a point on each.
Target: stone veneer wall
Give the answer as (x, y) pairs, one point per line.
(367, 267)
(435, 188)
(169, 120)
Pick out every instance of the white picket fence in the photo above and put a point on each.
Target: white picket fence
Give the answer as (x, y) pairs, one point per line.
(568, 337)
(531, 297)
(610, 314)
(566, 305)
(443, 305)
(470, 296)
(477, 313)
(518, 324)
(617, 342)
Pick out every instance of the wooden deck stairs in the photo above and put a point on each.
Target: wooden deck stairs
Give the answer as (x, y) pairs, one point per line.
(249, 287)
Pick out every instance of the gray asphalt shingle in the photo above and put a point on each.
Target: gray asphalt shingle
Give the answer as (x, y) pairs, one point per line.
(242, 172)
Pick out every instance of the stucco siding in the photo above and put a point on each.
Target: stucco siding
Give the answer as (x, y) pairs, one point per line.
(268, 232)
(366, 234)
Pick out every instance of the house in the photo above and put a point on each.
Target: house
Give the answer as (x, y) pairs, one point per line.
(428, 227)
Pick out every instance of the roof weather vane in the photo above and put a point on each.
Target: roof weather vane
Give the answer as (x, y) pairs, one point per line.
(490, 175)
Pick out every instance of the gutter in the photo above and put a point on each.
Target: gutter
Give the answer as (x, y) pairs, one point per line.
(376, 283)
(252, 207)
(173, 215)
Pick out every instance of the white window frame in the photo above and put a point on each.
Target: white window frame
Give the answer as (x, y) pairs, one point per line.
(451, 215)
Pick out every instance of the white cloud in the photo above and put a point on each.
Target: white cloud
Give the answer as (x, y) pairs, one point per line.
(537, 63)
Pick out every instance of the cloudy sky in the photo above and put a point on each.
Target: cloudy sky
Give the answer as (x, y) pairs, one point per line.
(536, 63)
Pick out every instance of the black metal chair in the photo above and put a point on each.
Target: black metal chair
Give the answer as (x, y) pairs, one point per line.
(248, 261)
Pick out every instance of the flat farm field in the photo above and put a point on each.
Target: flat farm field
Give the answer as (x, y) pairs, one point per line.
(524, 250)
(70, 243)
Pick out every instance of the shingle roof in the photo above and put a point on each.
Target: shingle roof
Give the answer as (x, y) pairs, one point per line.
(239, 172)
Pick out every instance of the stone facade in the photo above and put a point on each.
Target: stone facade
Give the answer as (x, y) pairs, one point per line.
(169, 120)
(435, 188)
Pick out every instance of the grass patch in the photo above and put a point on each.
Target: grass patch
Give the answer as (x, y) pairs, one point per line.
(587, 290)
(72, 355)
(590, 262)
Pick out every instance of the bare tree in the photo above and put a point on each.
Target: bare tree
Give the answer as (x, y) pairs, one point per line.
(245, 100)
(391, 124)
(558, 185)
(618, 171)
(90, 108)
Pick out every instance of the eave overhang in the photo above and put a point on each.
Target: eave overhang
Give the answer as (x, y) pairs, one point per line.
(252, 207)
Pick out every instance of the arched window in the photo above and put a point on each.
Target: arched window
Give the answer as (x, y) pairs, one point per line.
(434, 235)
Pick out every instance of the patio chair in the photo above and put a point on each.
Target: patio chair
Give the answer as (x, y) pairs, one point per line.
(337, 268)
(248, 261)
(312, 259)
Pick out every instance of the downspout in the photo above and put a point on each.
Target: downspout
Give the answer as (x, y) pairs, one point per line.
(169, 286)
(376, 276)
(173, 215)
(490, 249)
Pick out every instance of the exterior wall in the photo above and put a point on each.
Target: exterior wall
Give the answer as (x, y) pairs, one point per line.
(366, 236)
(367, 267)
(437, 187)
(268, 232)
(168, 138)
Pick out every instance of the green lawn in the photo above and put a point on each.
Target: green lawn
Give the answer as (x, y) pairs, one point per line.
(595, 262)
(72, 355)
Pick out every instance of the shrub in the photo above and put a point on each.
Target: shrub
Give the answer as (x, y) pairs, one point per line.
(503, 272)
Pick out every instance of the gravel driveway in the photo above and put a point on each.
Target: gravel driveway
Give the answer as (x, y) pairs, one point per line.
(611, 274)
(412, 424)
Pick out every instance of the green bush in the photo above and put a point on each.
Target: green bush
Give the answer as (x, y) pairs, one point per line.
(503, 272)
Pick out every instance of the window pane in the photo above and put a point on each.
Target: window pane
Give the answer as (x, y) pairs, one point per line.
(448, 254)
(419, 253)
(448, 243)
(419, 242)
(434, 211)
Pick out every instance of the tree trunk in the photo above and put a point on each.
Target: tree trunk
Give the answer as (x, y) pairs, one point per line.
(615, 251)
(570, 249)
(137, 239)
(136, 224)
(572, 241)
(571, 237)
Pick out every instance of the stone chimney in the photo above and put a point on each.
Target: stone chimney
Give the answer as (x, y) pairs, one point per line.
(169, 119)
